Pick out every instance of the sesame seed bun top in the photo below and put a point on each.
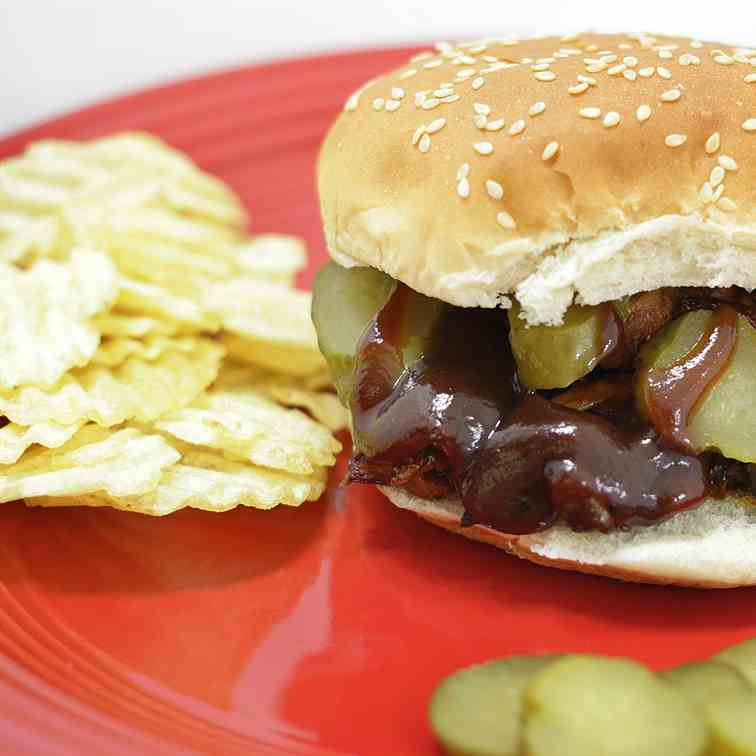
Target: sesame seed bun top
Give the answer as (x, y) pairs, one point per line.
(549, 169)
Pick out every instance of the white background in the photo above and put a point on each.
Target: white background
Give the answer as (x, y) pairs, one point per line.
(58, 54)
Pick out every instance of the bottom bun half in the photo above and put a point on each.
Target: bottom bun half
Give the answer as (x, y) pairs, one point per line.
(710, 546)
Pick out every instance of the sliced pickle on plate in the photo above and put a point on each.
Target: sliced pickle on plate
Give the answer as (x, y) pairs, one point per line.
(705, 682)
(550, 357)
(742, 656)
(344, 302)
(589, 705)
(724, 413)
(732, 723)
(477, 711)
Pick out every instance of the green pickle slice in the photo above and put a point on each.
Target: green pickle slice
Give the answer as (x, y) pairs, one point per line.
(742, 656)
(725, 417)
(550, 357)
(705, 682)
(732, 721)
(344, 301)
(594, 706)
(477, 711)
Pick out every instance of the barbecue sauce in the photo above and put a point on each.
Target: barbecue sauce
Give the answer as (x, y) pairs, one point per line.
(456, 423)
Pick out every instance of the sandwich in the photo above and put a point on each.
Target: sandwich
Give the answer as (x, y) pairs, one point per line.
(540, 308)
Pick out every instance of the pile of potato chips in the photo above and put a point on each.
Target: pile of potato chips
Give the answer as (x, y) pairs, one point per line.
(153, 356)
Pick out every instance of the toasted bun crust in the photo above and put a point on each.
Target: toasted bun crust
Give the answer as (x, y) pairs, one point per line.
(620, 206)
(711, 546)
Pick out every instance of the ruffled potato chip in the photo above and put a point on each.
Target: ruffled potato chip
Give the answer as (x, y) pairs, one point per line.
(138, 389)
(16, 439)
(113, 352)
(45, 317)
(323, 406)
(244, 425)
(119, 324)
(121, 463)
(206, 480)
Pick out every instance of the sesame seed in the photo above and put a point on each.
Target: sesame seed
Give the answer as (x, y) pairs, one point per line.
(478, 82)
(379, 103)
(630, 61)
(408, 73)
(425, 143)
(728, 163)
(465, 73)
(728, 205)
(443, 92)
(617, 70)
(517, 128)
(551, 149)
(630, 75)
(665, 54)
(596, 67)
(724, 60)
(480, 121)
(706, 194)
(463, 172)
(675, 140)
(496, 125)
(495, 189)
(608, 57)
(537, 108)
(430, 103)
(419, 131)
(712, 143)
(643, 113)
(646, 72)
(717, 176)
(353, 101)
(420, 97)
(505, 220)
(540, 67)
(397, 93)
(450, 98)
(750, 124)
(577, 89)
(590, 113)
(611, 119)
(587, 80)
(750, 78)
(665, 73)
(483, 148)
(435, 126)
(671, 95)
(481, 108)
(718, 193)
(392, 105)
(545, 76)
(546, 60)
(421, 56)
(433, 63)
(463, 188)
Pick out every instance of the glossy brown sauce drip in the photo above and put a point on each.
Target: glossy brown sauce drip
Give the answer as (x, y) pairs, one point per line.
(455, 423)
(671, 394)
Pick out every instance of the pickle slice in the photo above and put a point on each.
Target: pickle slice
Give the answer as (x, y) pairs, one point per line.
(732, 722)
(550, 357)
(477, 711)
(706, 682)
(725, 417)
(588, 705)
(742, 656)
(344, 301)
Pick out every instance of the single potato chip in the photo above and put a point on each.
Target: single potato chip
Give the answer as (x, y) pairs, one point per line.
(137, 389)
(206, 480)
(121, 463)
(113, 352)
(323, 406)
(16, 439)
(273, 257)
(45, 317)
(244, 425)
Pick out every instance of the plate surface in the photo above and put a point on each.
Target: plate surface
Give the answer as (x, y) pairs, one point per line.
(314, 631)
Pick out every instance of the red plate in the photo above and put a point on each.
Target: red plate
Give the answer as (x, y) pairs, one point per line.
(314, 631)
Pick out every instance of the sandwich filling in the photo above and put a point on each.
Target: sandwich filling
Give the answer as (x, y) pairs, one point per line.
(626, 413)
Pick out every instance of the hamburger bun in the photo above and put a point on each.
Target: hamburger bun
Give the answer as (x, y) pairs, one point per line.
(710, 546)
(550, 170)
